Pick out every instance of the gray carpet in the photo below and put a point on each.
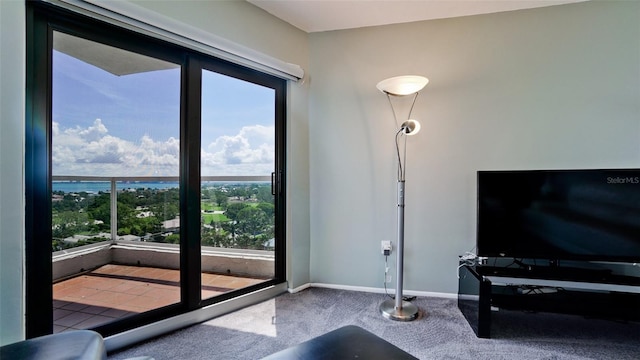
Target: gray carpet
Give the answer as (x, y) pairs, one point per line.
(440, 333)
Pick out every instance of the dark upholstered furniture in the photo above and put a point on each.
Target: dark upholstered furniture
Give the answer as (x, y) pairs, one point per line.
(349, 342)
(72, 345)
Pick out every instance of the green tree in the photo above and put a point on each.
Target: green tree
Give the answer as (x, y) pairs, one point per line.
(239, 191)
(165, 211)
(233, 209)
(268, 209)
(128, 198)
(100, 208)
(230, 227)
(214, 237)
(263, 194)
(173, 239)
(126, 217)
(205, 194)
(221, 198)
(252, 221)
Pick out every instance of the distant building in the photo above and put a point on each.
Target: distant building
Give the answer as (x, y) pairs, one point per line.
(75, 238)
(171, 225)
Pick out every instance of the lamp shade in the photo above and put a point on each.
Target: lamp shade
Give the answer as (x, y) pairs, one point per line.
(411, 127)
(403, 85)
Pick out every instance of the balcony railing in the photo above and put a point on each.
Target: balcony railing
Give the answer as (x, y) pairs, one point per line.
(240, 262)
(113, 180)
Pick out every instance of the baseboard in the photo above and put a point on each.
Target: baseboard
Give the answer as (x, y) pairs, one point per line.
(373, 290)
(299, 288)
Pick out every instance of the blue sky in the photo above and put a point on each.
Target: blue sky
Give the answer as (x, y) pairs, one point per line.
(108, 125)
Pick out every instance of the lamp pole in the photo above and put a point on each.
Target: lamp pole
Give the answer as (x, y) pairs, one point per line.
(399, 309)
(400, 246)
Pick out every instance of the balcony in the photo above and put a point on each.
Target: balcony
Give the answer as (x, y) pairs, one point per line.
(124, 275)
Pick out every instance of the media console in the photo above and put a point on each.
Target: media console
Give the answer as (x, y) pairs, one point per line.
(482, 289)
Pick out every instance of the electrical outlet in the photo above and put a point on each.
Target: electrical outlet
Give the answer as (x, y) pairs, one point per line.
(386, 247)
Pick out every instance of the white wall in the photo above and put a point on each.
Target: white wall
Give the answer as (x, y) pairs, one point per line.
(548, 88)
(12, 69)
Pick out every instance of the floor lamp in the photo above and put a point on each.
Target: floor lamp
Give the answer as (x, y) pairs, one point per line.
(401, 86)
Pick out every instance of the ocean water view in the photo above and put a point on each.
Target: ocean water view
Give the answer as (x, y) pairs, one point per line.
(104, 186)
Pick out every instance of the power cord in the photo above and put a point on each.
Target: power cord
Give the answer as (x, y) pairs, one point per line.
(469, 259)
(386, 271)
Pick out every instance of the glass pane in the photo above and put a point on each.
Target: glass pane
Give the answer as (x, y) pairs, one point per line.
(238, 155)
(115, 167)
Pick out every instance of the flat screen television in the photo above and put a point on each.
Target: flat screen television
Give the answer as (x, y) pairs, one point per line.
(591, 215)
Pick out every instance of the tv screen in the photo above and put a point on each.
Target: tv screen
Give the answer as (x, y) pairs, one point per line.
(560, 214)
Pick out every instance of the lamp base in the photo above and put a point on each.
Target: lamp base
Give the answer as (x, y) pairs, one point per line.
(408, 312)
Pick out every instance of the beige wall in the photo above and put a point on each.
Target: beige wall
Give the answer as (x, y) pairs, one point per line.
(548, 88)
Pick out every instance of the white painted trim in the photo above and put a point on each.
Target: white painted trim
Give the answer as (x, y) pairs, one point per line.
(300, 288)
(136, 18)
(373, 290)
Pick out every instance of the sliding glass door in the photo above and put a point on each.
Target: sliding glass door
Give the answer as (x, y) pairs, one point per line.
(115, 169)
(238, 158)
(153, 177)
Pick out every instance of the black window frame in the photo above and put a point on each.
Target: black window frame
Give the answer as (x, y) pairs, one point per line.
(42, 20)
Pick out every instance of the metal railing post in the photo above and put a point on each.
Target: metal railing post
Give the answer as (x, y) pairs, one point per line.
(114, 210)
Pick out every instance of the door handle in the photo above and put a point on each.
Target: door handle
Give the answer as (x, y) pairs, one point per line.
(276, 183)
(273, 181)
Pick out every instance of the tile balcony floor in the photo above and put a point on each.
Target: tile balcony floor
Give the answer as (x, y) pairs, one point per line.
(115, 291)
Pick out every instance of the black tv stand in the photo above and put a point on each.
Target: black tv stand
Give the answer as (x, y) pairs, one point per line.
(483, 288)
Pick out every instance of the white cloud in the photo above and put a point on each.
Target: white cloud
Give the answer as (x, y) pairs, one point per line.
(92, 151)
(250, 152)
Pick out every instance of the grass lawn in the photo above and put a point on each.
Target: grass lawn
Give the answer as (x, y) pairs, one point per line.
(207, 218)
(210, 206)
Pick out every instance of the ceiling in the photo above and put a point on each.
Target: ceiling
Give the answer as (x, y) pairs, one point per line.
(114, 60)
(325, 15)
